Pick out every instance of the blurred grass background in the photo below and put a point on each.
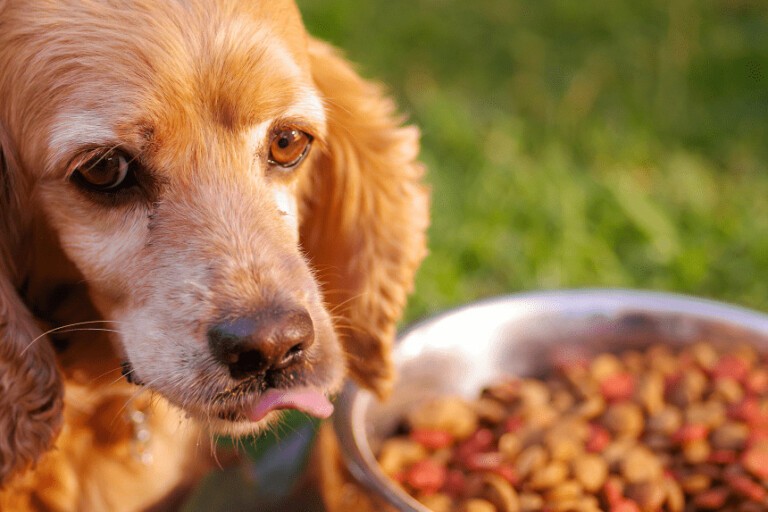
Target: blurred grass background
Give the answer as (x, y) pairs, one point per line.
(578, 143)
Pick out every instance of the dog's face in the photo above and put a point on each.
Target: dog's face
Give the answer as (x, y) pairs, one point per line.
(169, 141)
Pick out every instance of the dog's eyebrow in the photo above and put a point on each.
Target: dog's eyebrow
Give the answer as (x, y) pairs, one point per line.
(71, 130)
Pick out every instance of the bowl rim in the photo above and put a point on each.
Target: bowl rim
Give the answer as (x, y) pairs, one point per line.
(353, 401)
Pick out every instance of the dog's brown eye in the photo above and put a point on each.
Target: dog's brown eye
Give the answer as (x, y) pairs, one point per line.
(289, 147)
(105, 172)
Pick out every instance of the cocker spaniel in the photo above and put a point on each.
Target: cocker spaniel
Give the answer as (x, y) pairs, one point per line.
(202, 196)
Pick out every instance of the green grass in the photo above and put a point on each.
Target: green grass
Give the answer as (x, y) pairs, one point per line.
(574, 144)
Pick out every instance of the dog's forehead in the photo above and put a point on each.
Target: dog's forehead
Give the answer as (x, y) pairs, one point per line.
(162, 68)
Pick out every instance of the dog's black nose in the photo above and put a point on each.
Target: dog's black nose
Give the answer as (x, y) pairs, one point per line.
(270, 340)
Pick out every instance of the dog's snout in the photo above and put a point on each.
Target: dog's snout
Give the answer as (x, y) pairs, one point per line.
(271, 340)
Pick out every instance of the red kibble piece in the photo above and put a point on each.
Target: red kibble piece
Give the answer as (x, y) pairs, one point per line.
(508, 473)
(691, 432)
(670, 381)
(750, 411)
(432, 439)
(722, 457)
(598, 439)
(757, 435)
(482, 440)
(746, 410)
(747, 487)
(455, 482)
(711, 498)
(426, 476)
(755, 460)
(730, 366)
(625, 505)
(757, 381)
(617, 387)
(612, 492)
(513, 424)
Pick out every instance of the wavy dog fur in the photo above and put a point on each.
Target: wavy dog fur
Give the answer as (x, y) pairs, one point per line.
(192, 91)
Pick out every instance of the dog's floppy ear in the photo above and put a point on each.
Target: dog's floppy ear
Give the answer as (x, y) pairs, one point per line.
(365, 214)
(30, 382)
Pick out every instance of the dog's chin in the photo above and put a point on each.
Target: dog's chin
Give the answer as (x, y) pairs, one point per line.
(242, 427)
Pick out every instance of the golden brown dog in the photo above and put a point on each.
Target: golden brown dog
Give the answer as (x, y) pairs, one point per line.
(201, 194)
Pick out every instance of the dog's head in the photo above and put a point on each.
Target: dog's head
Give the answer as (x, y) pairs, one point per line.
(243, 207)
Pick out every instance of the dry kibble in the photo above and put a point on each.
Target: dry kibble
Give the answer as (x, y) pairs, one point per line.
(624, 420)
(398, 453)
(534, 394)
(675, 499)
(666, 421)
(729, 436)
(477, 505)
(650, 392)
(704, 354)
(728, 390)
(711, 414)
(591, 471)
(569, 490)
(449, 414)
(437, 502)
(650, 431)
(605, 365)
(641, 465)
(501, 494)
(696, 451)
(530, 460)
(530, 502)
(695, 483)
(548, 476)
(510, 445)
(562, 446)
(648, 495)
(490, 410)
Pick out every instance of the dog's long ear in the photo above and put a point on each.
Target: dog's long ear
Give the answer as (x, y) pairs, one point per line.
(30, 382)
(365, 214)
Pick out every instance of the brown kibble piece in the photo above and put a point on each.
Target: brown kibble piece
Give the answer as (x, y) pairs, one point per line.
(591, 471)
(450, 414)
(501, 494)
(549, 475)
(437, 502)
(477, 505)
(624, 419)
(641, 465)
(398, 453)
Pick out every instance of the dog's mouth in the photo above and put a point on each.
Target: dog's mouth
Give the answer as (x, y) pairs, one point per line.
(254, 407)
(250, 402)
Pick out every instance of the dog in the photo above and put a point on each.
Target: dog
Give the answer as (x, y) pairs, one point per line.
(206, 217)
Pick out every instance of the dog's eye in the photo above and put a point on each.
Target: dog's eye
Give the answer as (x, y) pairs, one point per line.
(289, 147)
(105, 172)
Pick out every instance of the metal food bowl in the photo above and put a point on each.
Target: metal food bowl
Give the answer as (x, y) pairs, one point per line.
(461, 351)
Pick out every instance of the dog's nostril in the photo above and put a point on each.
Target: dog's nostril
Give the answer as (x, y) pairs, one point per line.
(249, 362)
(293, 353)
(273, 339)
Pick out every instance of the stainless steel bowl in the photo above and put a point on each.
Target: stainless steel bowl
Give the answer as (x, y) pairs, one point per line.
(460, 351)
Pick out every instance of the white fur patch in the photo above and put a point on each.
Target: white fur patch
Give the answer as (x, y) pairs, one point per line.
(286, 203)
(73, 129)
(309, 106)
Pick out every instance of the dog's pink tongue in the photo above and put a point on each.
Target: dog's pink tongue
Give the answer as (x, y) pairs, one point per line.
(308, 400)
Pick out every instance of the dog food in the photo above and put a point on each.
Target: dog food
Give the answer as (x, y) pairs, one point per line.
(636, 432)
